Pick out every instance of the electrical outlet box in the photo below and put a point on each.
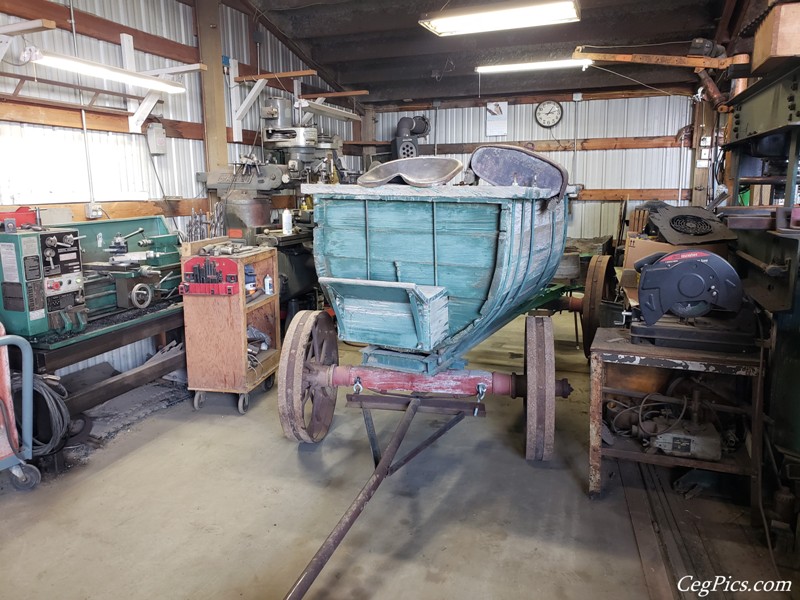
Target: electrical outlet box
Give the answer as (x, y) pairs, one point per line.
(93, 211)
(156, 139)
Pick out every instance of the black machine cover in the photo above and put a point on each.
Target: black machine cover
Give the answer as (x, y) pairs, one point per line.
(687, 283)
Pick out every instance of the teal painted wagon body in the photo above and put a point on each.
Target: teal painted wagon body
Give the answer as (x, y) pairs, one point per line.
(423, 275)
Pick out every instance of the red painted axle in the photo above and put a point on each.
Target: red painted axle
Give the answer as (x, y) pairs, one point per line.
(452, 382)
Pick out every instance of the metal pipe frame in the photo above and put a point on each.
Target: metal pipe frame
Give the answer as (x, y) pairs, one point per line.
(25, 452)
(452, 382)
(332, 542)
(384, 467)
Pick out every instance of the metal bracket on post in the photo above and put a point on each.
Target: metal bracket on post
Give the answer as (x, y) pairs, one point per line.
(7, 32)
(297, 90)
(481, 394)
(233, 93)
(306, 119)
(324, 110)
(129, 62)
(142, 110)
(5, 44)
(152, 98)
(137, 119)
(240, 107)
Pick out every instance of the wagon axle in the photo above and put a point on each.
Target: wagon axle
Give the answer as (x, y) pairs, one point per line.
(452, 382)
(310, 375)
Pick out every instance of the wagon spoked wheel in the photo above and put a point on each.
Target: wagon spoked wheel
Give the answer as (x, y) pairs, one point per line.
(306, 409)
(601, 284)
(540, 397)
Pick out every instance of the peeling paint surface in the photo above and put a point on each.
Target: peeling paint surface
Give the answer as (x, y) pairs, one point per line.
(492, 249)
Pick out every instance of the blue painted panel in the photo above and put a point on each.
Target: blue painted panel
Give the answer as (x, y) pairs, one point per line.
(390, 314)
(402, 246)
(492, 251)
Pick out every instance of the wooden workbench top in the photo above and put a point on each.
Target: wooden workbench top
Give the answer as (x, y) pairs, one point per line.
(613, 345)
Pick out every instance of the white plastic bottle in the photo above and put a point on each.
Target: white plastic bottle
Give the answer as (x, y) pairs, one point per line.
(268, 289)
(287, 222)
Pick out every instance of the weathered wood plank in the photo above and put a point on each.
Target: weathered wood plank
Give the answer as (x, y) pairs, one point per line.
(61, 114)
(124, 382)
(354, 148)
(125, 210)
(99, 28)
(55, 114)
(212, 83)
(619, 195)
(679, 90)
(335, 94)
(284, 75)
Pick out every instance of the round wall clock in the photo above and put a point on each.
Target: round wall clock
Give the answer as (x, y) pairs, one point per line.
(549, 113)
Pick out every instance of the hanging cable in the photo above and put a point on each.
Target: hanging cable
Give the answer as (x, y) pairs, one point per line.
(631, 79)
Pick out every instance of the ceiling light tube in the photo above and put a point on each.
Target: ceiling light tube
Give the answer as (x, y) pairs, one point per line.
(501, 16)
(544, 65)
(101, 71)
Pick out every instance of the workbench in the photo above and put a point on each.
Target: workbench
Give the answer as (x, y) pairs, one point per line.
(615, 359)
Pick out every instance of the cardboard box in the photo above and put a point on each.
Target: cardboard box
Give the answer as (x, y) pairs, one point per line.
(776, 39)
(638, 247)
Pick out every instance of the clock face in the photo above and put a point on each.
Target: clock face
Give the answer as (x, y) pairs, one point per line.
(548, 113)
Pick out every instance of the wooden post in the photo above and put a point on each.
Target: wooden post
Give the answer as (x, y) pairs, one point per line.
(212, 82)
(704, 119)
(367, 134)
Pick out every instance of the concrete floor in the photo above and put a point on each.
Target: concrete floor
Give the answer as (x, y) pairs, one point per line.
(216, 505)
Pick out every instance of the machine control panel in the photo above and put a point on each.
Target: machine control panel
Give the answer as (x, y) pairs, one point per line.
(61, 254)
(60, 285)
(62, 269)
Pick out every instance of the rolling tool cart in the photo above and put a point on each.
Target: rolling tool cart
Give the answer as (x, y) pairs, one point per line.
(232, 323)
(13, 455)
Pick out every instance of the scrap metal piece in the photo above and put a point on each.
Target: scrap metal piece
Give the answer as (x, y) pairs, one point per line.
(540, 400)
(306, 410)
(420, 171)
(688, 225)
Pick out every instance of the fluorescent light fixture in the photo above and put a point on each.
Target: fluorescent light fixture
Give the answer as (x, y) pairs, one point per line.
(101, 71)
(544, 65)
(501, 16)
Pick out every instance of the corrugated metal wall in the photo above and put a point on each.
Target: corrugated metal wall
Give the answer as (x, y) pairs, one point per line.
(48, 164)
(43, 164)
(273, 57)
(654, 168)
(166, 18)
(122, 359)
(122, 168)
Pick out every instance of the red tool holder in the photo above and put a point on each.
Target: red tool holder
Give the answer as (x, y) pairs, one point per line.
(24, 215)
(205, 276)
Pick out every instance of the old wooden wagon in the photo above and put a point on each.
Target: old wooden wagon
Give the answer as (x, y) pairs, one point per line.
(422, 275)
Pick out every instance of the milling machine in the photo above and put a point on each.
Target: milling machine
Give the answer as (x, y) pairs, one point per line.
(255, 191)
(294, 152)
